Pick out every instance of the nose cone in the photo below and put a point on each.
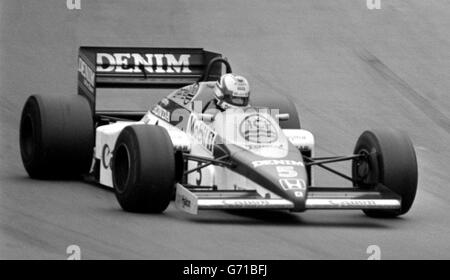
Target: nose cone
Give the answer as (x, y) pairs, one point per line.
(285, 176)
(263, 153)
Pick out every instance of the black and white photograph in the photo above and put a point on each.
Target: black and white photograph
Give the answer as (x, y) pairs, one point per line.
(221, 130)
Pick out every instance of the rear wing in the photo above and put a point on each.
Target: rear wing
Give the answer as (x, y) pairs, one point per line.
(114, 67)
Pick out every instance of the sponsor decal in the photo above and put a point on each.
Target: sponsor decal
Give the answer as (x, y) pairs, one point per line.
(242, 87)
(87, 73)
(161, 113)
(286, 171)
(177, 114)
(153, 63)
(259, 163)
(106, 156)
(246, 203)
(201, 132)
(299, 141)
(352, 202)
(185, 95)
(292, 184)
(256, 128)
(185, 202)
(268, 145)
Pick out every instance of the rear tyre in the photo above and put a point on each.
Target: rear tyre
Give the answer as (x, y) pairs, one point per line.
(56, 136)
(143, 167)
(392, 162)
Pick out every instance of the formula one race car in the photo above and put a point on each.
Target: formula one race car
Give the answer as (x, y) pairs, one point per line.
(249, 156)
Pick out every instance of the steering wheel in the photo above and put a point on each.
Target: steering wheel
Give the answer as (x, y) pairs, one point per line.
(213, 61)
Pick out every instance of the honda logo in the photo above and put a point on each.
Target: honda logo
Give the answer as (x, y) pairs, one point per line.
(292, 184)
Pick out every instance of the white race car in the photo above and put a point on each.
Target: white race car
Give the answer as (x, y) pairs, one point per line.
(250, 157)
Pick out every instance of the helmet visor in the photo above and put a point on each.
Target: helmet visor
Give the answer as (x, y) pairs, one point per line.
(236, 100)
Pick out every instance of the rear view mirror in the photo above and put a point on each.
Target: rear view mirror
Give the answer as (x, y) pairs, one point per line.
(282, 117)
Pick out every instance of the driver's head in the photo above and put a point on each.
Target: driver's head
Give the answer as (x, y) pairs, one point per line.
(232, 91)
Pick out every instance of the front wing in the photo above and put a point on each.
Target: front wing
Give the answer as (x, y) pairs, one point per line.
(191, 201)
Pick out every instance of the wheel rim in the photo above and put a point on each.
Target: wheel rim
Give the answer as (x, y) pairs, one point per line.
(364, 169)
(121, 168)
(27, 141)
(362, 166)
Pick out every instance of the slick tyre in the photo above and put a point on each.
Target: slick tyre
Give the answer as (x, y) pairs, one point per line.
(56, 136)
(392, 162)
(143, 168)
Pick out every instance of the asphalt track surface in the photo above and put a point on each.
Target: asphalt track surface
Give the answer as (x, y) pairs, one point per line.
(346, 67)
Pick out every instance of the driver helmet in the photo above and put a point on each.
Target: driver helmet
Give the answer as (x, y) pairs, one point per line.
(232, 91)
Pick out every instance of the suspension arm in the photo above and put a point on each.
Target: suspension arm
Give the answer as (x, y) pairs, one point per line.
(206, 162)
(324, 160)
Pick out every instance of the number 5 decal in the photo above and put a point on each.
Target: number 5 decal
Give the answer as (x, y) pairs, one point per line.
(286, 171)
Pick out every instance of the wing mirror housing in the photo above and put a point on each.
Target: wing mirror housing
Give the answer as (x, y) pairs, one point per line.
(282, 117)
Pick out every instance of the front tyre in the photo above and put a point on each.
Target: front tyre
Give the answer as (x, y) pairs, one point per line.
(143, 167)
(392, 162)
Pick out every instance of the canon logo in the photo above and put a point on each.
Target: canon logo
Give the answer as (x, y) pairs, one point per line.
(201, 132)
(353, 203)
(152, 63)
(246, 203)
